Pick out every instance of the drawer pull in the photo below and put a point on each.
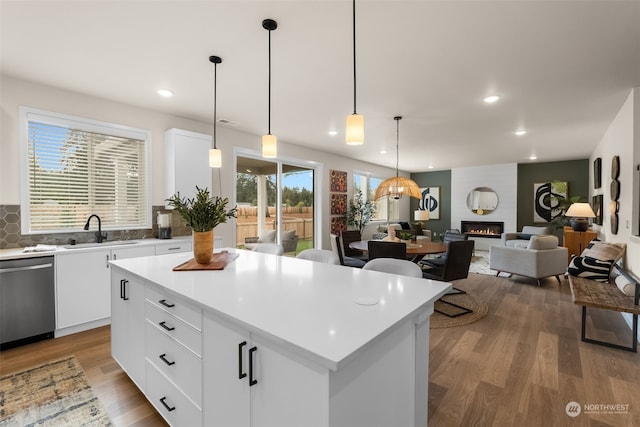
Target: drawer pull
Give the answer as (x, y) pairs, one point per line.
(241, 374)
(252, 381)
(169, 408)
(163, 357)
(123, 289)
(164, 325)
(174, 249)
(166, 304)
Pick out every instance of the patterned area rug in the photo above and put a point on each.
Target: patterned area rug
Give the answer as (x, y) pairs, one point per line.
(54, 394)
(480, 264)
(438, 320)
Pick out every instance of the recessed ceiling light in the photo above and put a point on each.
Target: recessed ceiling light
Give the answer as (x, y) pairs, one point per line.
(491, 99)
(165, 93)
(533, 157)
(520, 132)
(430, 166)
(333, 132)
(383, 151)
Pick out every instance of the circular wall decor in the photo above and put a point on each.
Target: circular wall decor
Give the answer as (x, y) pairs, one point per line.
(615, 189)
(615, 167)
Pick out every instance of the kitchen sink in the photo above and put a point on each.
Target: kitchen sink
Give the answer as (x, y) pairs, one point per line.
(103, 244)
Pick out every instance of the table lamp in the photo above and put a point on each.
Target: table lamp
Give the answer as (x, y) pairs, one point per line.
(579, 213)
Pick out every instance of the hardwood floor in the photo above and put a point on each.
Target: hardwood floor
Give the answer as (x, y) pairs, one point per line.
(520, 365)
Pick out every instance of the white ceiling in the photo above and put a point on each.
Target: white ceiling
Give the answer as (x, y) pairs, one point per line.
(562, 68)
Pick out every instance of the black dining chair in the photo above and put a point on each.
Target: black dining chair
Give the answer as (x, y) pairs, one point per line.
(383, 249)
(345, 260)
(450, 235)
(347, 237)
(455, 267)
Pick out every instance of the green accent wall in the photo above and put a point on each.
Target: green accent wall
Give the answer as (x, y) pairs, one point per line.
(574, 172)
(440, 179)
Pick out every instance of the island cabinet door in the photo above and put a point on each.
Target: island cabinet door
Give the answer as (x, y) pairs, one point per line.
(127, 325)
(250, 381)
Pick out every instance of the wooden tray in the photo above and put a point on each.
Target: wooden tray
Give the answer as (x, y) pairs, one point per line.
(218, 262)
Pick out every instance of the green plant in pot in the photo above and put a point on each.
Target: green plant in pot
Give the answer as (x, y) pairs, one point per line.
(404, 235)
(202, 213)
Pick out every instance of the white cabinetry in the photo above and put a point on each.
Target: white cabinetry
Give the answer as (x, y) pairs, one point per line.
(127, 326)
(186, 162)
(173, 347)
(82, 284)
(249, 382)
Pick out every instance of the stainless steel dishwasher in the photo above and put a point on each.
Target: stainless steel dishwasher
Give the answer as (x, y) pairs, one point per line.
(27, 301)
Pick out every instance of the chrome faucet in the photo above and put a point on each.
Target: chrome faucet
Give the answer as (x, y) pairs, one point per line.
(99, 235)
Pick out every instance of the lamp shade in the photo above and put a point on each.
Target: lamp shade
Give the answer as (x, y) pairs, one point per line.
(355, 129)
(396, 187)
(421, 215)
(582, 210)
(215, 158)
(269, 146)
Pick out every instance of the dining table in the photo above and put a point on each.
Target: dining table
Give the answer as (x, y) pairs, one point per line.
(415, 250)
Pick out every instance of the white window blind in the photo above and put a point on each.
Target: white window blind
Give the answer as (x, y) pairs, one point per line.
(75, 170)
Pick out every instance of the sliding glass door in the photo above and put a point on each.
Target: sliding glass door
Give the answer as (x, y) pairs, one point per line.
(275, 203)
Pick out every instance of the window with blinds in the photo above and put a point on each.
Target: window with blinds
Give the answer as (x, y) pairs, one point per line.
(76, 167)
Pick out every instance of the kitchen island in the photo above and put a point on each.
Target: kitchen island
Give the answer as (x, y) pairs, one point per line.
(273, 340)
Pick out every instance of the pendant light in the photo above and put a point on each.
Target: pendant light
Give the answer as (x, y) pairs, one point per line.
(269, 142)
(355, 121)
(215, 155)
(398, 186)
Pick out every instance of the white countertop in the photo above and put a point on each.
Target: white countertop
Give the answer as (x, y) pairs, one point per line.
(311, 307)
(16, 253)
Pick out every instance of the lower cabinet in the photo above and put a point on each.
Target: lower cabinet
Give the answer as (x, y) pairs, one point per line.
(127, 326)
(248, 382)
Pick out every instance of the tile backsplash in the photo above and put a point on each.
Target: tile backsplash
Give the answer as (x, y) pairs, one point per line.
(11, 236)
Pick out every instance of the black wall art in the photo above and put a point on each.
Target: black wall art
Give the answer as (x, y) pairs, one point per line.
(614, 206)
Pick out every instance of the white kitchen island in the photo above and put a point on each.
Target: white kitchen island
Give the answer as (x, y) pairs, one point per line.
(274, 341)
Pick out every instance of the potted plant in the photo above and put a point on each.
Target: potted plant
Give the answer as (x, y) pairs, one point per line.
(202, 213)
(405, 236)
(360, 211)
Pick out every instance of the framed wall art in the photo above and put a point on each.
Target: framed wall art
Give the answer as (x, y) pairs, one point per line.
(430, 201)
(337, 181)
(597, 173)
(547, 198)
(338, 203)
(338, 224)
(596, 205)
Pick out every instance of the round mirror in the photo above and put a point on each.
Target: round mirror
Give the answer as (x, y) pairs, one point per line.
(482, 200)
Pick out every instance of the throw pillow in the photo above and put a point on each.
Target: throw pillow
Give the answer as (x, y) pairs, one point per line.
(590, 268)
(626, 286)
(604, 251)
(541, 242)
(288, 235)
(267, 236)
(523, 236)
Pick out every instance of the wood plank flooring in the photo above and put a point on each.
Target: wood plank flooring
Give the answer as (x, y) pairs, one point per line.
(519, 366)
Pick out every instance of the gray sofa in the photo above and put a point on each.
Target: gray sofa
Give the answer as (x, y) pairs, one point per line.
(521, 239)
(542, 257)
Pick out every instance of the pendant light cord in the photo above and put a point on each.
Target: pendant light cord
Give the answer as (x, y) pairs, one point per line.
(269, 115)
(354, 57)
(215, 112)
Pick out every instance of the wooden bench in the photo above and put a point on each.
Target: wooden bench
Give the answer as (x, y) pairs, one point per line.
(606, 296)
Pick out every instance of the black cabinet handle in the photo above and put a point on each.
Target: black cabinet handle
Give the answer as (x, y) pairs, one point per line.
(169, 408)
(163, 357)
(164, 325)
(123, 289)
(252, 381)
(241, 374)
(166, 304)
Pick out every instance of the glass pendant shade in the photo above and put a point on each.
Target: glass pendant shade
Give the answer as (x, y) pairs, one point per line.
(269, 146)
(355, 129)
(215, 158)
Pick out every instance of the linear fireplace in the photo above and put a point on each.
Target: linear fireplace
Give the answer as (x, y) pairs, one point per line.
(490, 229)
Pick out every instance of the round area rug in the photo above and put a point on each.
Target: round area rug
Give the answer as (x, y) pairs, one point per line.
(438, 320)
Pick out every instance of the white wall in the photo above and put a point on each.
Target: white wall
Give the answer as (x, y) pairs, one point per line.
(16, 92)
(503, 179)
(622, 139)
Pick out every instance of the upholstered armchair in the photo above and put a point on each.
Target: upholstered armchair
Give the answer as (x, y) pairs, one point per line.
(542, 257)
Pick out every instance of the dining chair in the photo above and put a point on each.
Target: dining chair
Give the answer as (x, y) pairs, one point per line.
(338, 248)
(455, 267)
(319, 255)
(395, 266)
(349, 236)
(269, 248)
(383, 249)
(450, 235)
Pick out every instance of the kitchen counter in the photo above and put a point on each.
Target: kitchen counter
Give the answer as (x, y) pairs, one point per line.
(327, 311)
(19, 253)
